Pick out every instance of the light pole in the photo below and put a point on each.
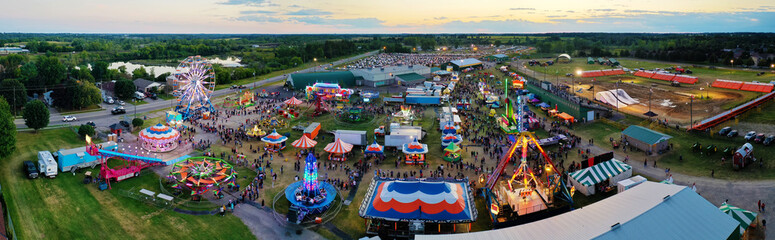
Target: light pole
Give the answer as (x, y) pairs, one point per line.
(691, 113)
(316, 64)
(651, 91)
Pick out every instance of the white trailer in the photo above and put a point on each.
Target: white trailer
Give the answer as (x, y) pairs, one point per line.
(351, 137)
(47, 164)
(398, 141)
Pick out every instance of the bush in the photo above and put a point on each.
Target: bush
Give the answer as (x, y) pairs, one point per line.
(84, 130)
(137, 122)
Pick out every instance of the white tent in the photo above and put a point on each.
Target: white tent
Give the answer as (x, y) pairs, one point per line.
(586, 179)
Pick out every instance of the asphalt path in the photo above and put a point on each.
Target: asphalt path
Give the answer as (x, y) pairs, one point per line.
(105, 118)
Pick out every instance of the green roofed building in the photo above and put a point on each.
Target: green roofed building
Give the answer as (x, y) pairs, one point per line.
(409, 79)
(613, 62)
(646, 139)
(301, 80)
(601, 61)
(590, 60)
(497, 58)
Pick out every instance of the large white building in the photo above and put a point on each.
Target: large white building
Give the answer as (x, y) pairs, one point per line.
(381, 76)
(12, 50)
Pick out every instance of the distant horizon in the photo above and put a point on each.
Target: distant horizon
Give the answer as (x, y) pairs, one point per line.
(385, 17)
(450, 33)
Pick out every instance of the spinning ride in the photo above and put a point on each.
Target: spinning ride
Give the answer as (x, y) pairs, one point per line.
(194, 84)
(309, 196)
(200, 174)
(255, 132)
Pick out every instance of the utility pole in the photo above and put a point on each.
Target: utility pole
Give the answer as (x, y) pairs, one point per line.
(691, 116)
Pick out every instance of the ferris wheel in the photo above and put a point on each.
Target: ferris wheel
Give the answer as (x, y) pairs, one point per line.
(194, 84)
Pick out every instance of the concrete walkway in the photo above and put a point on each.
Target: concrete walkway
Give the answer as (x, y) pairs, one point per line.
(262, 223)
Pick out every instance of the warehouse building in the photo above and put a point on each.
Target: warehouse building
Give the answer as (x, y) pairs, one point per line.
(646, 139)
(388, 75)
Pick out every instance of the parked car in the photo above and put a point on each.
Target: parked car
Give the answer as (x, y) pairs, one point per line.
(108, 100)
(121, 103)
(725, 131)
(237, 87)
(749, 136)
(767, 141)
(733, 133)
(118, 110)
(759, 138)
(154, 96)
(69, 118)
(139, 96)
(91, 123)
(30, 169)
(124, 123)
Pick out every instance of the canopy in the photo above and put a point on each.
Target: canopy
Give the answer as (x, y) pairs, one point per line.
(452, 148)
(449, 127)
(159, 133)
(293, 101)
(339, 147)
(600, 172)
(449, 201)
(743, 216)
(565, 116)
(415, 148)
(543, 105)
(304, 142)
(274, 137)
(374, 148)
(450, 138)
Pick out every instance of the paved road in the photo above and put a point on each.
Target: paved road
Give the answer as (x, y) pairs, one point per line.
(104, 118)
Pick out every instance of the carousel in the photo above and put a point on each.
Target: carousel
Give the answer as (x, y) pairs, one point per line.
(337, 150)
(274, 141)
(452, 153)
(304, 142)
(159, 138)
(415, 152)
(449, 128)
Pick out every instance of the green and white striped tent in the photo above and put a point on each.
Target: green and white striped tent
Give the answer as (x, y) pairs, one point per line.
(600, 172)
(743, 216)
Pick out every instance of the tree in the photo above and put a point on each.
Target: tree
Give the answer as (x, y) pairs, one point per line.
(28, 72)
(124, 89)
(85, 129)
(50, 71)
(100, 71)
(85, 74)
(36, 115)
(137, 122)
(162, 77)
(295, 61)
(15, 92)
(7, 129)
(139, 73)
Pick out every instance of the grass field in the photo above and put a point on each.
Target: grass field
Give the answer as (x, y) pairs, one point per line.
(92, 108)
(65, 208)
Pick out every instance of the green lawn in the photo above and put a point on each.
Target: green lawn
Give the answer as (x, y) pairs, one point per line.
(137, 102)
(166, 96)
(65, 208)
(92, 108)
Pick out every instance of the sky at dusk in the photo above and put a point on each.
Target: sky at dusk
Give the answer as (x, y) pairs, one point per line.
(394, 16)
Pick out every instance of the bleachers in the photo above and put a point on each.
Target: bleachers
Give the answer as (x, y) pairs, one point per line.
(600, 73)
(667, 77)
(757, 87)
(685, 79)
(645, 74)
(727, 84)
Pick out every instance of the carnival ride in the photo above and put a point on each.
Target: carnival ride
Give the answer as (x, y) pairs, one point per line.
(159, 138)
(200, 174)
(193, 85)
(328, 92)
(255, 132)
(132, 166)
(530, 194)
(309, 197)
(274, 141)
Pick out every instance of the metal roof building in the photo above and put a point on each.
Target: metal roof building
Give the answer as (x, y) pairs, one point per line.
(461, 64)
(646, 139)
(648, 211)
(301, 80)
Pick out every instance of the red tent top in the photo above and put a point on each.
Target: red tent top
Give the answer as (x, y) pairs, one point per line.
(338, 146)
(293, 101)
(304, 142)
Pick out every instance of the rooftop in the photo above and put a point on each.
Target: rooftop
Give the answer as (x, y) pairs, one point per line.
(466, 62)
(645, 135)
(411, 77)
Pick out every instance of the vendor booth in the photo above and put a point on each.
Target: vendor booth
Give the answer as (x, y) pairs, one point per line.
(452, 153)
(415, 152)
(304, 142)
(603, 175)
(744, 217)
(374, 148)
(337, 150)
(450, 138)
(274, 141)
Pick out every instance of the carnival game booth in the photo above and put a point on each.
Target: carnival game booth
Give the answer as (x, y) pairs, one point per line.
(449, 128)
(746, 218)
(400, 208)
(415, 152)
(448, 139)
(159, 138)
(337, 150)
(274, 141)
(452, 153)
(329, 92)
(603, 175)
(174, 119)
(375, 148)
